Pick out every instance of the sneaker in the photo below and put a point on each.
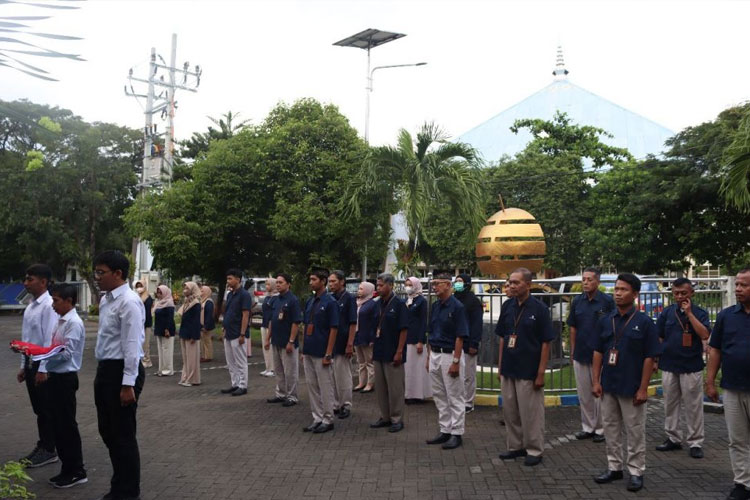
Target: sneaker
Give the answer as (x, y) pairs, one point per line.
(263, 373)
(30, 456)
(270, 373)
(55, 478)
(469, 409)
(69, 480)
(739, 492)
(42, 457)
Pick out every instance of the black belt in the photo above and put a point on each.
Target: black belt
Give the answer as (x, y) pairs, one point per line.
(61, 374)
(444, 350)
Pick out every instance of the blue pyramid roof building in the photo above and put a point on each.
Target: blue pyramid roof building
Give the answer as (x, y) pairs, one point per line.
(638, 134)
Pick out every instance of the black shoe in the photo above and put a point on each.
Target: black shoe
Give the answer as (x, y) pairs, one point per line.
(635, 483)
(598, 438)
(323, 428)
(380, 423)
(311, 427)
(240, 391)
(608, 477)
(275, 399)
(70, 480)
(584, 435)
(344, 412)
(336, 411)
(532, 460)
(453, 442)
(739, 492)
(398, 426)
(439, 439)
(409, 401)
(230, 390)
(696, 452)
(669, 445)
(54, 478)
(512, 454)
(469, 409)
(289, 402)
(41, 457)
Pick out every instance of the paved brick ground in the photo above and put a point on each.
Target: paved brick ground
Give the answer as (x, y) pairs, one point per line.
(197, 443)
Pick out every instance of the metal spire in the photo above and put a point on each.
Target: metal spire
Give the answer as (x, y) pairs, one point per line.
(560, 72)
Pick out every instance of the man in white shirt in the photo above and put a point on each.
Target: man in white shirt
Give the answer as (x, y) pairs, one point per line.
(39, 322)
(119, 374)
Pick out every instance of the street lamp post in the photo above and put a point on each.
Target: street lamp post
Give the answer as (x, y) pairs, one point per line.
(369, 90)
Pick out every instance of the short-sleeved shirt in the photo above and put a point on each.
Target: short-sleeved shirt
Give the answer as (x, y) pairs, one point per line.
(367, 322)
(323, 314)
(267, 309)
(286, 312)
(448, 322)
(237, 301)
(669, 326)
(638, 340)
(347, 316)
(532, 326)
(417, 328)
(392, 318)
(731, 335)
(584, 316)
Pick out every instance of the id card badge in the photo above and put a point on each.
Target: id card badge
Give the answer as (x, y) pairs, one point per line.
(612, 358)
(281, 315)
(309, 329)
(512, 341)
(687, 340)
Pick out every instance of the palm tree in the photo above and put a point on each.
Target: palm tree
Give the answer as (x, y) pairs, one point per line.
(736, 184)
(198, 143)
(414, 175)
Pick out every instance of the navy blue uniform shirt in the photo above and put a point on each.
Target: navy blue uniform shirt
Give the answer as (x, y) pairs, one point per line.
(474, 318)
(417, 329)
(674, 357)
(267, 309)
(367, 322)
(190, 325)
(237, 301)
(347, 317)
(532, 326)
(447, 322)
(164, 321)
(208, 315)
(392, 318)
(637, 341)
(585, 315)
(148, 304)
(323, 314)
(286, 312)
(731, 335)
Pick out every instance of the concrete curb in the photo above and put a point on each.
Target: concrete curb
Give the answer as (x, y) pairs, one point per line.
(550, 401)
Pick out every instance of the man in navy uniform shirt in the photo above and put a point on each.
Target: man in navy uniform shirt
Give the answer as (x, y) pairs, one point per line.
(585, 312)
(730, 350)
(283, 327)
(320, 329)
(236, 320)
(344, 347)
(389, 355)
(622, 366)
(525, 331)
(448, 331)
(682, 328)
(474, 319)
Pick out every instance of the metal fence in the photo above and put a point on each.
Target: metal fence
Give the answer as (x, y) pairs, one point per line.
(710, 294)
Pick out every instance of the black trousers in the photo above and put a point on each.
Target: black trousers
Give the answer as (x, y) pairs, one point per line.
(39, 396)
(62, 394)
(117, 426)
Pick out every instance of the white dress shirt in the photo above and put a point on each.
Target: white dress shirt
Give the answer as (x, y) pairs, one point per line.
(121, 332)
(39, 323)
(70, 333)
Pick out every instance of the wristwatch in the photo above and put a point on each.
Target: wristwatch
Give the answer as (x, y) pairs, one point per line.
(456, 361)
(328, 357)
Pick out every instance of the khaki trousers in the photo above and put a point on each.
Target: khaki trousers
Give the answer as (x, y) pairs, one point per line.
(619, 412)
(418, 381)
(389, 387)
(448, 393)
(684, 389)
(207, 345)
(591, 416)
(320, 388)
(287, 372)
(165, 346)
(147, 347)
(342, 382)
(236, 362)
(191, 359)
(523, 410)
(470, 379)
(267, 354)
(737, 414)
(366, 367)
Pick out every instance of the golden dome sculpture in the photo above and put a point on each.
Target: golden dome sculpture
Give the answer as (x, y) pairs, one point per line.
(511, 239)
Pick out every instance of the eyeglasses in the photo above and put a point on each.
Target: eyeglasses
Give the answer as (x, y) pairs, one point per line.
(101, 272)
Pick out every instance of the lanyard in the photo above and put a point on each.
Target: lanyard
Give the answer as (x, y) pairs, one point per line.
(685, 326)
(314, 310)
(518, 318)
(382, 311)
(617, 337)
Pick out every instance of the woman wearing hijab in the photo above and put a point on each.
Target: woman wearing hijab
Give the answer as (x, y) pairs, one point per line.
(164, 330)
(148, 303)
(418, 384)
(367, 322)
(190, 334)
(268, 303)
(474, 318)
(207, 324)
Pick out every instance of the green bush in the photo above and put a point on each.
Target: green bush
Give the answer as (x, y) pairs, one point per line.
(12, 480)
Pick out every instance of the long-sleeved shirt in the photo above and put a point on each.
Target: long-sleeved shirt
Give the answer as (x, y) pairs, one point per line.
(71, 333)
(39, 323)
(121, 332)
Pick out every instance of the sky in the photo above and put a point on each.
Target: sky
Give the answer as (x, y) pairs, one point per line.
(678, 63)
